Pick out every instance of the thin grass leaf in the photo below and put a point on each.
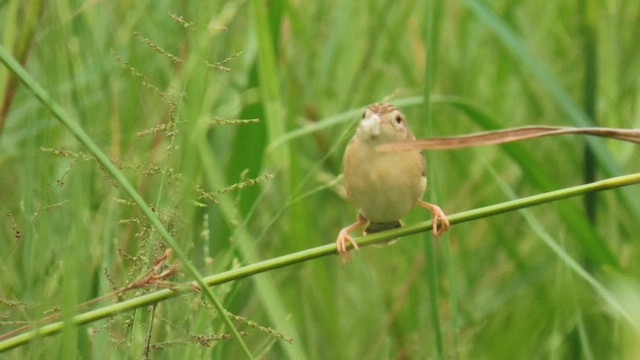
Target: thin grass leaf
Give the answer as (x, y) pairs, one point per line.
(566, 258)
(82, 137)
(539, 70)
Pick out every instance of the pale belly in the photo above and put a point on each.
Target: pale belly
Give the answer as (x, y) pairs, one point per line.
(385, 187)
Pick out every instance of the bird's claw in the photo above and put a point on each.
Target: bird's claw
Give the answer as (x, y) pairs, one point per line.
(344, 238)
(440, 221)
(440, 218)
(341, 245)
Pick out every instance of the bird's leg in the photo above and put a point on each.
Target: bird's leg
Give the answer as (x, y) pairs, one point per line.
(437, 214)
(343, 238)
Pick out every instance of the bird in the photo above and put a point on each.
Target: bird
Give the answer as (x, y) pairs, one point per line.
(384, 186)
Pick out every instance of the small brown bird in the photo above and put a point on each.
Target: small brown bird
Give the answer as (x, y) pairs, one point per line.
(384, 186)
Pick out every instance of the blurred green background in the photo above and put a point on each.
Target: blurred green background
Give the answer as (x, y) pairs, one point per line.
(492, 288)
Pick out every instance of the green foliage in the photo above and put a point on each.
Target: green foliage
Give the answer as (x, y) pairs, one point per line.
(164, 89)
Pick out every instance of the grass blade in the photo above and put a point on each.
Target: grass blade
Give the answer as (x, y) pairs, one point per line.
(80, 134)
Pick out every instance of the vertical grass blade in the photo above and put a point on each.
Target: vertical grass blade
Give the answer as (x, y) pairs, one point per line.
(82, 136)
(517, 47)
(433, 15)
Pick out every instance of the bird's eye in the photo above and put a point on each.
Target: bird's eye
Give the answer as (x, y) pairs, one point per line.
(364, 114)
(398, 119)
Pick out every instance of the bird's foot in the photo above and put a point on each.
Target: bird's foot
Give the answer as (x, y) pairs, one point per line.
(344, 238)
(440, 221)
(341, 246)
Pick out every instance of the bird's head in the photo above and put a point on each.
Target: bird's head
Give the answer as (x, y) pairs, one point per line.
(383, 123)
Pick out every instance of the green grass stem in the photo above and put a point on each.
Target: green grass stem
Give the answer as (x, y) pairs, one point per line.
(82, 136)
(325, 250)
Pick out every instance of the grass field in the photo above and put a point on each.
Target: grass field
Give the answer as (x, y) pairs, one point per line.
(225, 122)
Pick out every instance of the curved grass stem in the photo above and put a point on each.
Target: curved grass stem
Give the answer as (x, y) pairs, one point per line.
(316, 252)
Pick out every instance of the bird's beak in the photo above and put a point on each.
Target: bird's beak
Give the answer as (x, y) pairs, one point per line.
(371, 125)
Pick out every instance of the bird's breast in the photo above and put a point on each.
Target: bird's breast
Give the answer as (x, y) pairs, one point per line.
(384, 186)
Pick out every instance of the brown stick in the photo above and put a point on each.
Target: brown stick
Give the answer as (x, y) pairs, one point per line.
(509, 135)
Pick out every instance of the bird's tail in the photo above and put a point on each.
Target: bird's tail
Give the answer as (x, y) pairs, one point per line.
(378, 227)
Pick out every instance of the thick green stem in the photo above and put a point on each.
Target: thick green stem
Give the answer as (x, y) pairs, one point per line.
(313, 253)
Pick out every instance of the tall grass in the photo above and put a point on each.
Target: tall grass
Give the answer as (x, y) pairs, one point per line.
(551, 282)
